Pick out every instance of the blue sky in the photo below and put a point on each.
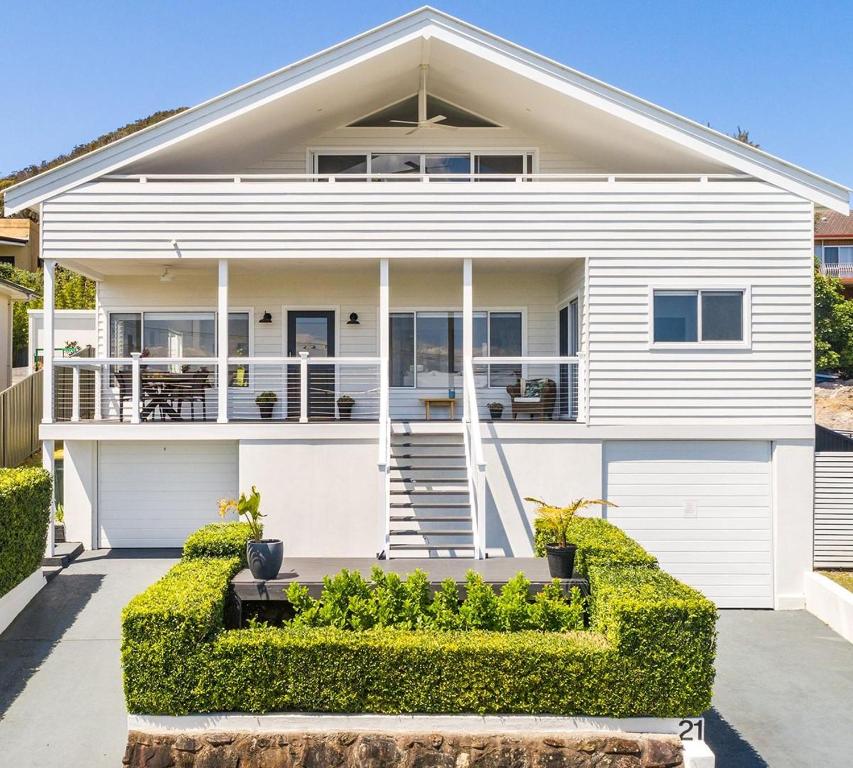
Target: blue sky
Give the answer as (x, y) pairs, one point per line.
(74, 69)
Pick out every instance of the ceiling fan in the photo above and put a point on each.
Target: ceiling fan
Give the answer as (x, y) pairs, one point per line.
(423, 121)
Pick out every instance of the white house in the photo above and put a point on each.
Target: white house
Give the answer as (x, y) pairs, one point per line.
(425, 213)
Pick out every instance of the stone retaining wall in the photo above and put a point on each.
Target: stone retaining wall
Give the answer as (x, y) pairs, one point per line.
(378, 750)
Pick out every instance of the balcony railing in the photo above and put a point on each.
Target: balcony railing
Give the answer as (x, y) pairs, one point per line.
(303, 389)
(837, 270)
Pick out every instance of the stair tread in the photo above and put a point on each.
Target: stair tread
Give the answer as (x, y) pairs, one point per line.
(428, 468)
(419, 532)
(431, 504)
(458, 444)
(431, 546)
(446, 480)
(431, 519)
(422, 492)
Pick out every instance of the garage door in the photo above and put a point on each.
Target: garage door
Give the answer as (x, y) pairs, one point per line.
(154, 494)
(703, 508)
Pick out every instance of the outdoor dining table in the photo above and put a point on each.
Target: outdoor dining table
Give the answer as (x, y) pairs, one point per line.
(159, 391)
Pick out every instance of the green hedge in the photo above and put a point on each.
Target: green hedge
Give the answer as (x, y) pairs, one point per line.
(24, 515)
(598, 542)
(219, 540)
(649, 651)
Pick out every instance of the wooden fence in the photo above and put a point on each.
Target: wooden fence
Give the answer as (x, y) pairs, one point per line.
(833, 509)
(20, 416)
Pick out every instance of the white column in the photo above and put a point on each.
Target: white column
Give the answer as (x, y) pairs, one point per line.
(47, 355)
(303, 387)
(384, 339)
(135, 387)
(47, 461)
(222, 344)
(75, 393)
(467, 327)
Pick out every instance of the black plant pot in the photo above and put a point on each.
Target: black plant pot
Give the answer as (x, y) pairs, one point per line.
(345, 410)
(265, 557)
(266, 410)
(496, 413)
(561, 560)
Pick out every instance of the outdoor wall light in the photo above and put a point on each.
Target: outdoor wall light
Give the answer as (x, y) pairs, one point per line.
(353, 319)
(267, 318)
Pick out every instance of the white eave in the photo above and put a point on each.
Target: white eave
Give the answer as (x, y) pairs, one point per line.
(425, 23)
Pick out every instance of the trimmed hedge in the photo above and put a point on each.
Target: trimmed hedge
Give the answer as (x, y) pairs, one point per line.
(219, 540)
(598, 542)
(24, 515)
(649, 651)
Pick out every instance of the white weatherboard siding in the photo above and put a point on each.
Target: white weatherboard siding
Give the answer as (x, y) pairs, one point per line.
(703, 509)
(833, 510)
(154, 494)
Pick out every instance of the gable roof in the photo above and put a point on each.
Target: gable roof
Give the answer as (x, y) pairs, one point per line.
(426, 23)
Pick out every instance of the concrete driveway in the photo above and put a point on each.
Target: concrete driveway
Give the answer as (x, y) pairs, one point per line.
(61, 700)
(784, 693)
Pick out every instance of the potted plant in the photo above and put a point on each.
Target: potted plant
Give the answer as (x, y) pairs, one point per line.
(555, 522)
(266, 402)
(496, 410)
(345, 404)
(263, 555)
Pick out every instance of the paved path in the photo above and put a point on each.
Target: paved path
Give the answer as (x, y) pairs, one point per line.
(61, 701)
(784, 693)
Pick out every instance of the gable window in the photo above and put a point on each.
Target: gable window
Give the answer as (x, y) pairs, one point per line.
(426, 348)
(461, 164)
(685, 316)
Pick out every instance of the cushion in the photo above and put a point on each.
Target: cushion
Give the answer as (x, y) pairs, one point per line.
(533, 388)
(527, 399)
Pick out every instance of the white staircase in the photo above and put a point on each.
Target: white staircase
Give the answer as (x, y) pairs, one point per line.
(429, 511)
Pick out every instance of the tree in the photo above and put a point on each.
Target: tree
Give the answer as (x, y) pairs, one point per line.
(741, 134)
(833, 325)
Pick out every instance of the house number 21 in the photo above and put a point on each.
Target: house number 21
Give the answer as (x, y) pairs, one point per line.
(692, 729)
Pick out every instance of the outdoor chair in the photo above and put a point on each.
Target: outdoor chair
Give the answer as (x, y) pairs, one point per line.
(535, 397)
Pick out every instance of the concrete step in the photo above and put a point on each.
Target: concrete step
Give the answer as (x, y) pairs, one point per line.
(64, 553)
(51, 572)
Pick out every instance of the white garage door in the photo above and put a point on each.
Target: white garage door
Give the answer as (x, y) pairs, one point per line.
(703, 508)
(153, 494)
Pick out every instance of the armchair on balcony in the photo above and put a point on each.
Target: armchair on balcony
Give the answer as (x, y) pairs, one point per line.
(536, 397)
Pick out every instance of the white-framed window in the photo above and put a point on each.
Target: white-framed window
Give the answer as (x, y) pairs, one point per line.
(426, 347)
(837, 254)
(714, 316)
(503, 163)
(180, 334)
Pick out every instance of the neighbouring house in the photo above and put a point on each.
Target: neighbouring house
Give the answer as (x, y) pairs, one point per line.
(19, 243)
(9, 293)
(833, 240)
(74, 332)
(406, 282)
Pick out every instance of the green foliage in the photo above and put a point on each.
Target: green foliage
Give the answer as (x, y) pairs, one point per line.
(378, 646)
(598, 542)
(351, 602)
(218, 540)
(555, 522)
(72, 291)
(24, 514)
(248, 507)
(833, 325)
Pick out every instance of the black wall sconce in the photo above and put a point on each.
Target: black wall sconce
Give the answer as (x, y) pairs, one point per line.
(267, 318)
(353, 319)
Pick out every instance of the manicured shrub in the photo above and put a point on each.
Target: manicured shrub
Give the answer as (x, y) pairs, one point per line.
(351, 602)
(382, 646)
(598, 542)
(24, 514)
(218, 540)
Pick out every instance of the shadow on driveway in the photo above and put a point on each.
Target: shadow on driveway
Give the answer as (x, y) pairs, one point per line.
(31, 637)
(729, 747)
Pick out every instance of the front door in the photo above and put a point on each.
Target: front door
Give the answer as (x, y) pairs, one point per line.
(311, 331)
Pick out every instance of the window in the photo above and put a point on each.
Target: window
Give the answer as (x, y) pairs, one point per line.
(838, 254)
(698, 316)
(426, 348)
(410, 163)
(178, 335)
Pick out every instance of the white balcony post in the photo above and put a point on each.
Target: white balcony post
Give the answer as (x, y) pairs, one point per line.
(303, 387)
(47, 353)
(48, 462)
(135, 388)
(75, 393)
(222, 344)
(467, 331)
(98, 392)
(384, 339)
